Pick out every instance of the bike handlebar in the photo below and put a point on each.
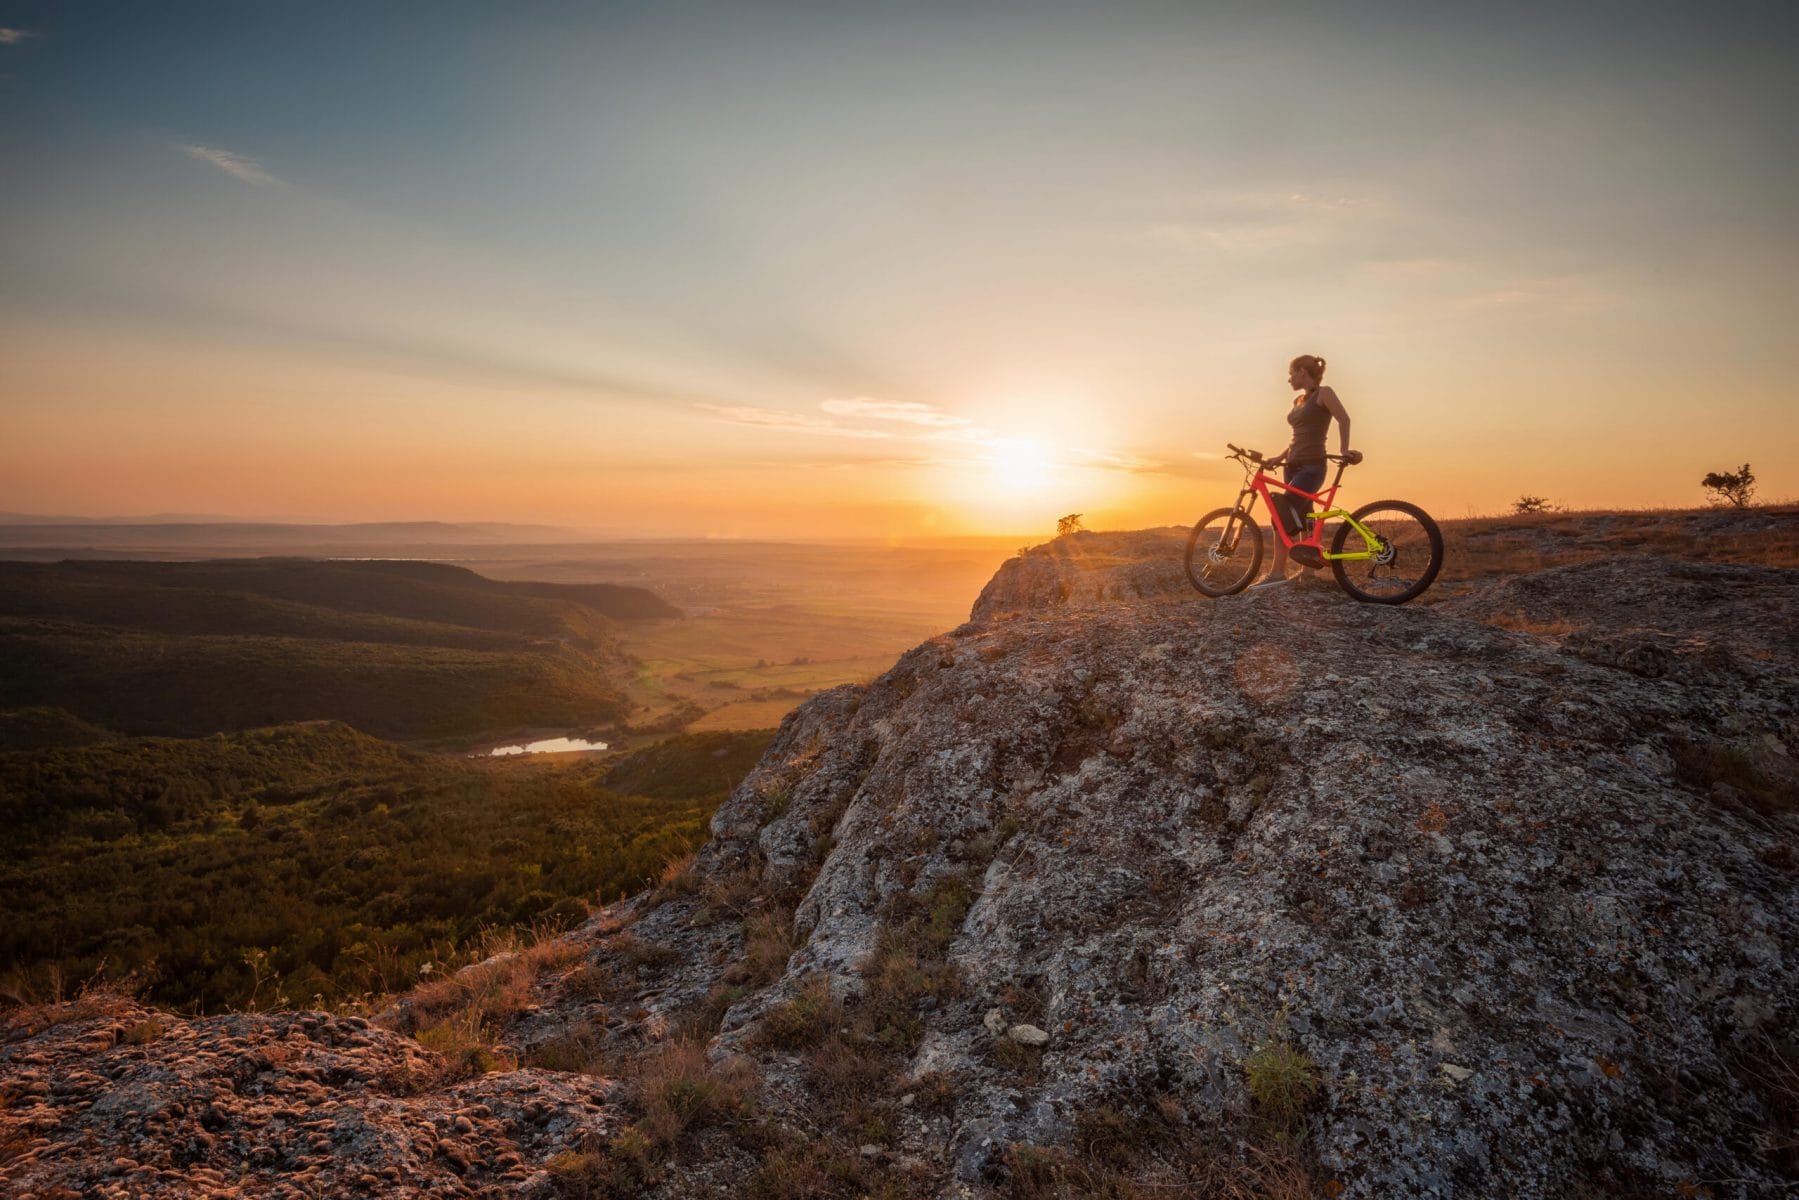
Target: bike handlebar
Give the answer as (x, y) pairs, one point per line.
(1255, 456)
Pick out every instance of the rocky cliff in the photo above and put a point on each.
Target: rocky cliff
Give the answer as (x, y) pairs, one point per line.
(1115, 891)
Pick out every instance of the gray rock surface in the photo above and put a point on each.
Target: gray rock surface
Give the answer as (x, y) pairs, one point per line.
(1515, 873)
(1480, 875)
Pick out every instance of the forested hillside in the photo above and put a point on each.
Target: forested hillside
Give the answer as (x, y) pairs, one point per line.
(314, 861)
(397, 649)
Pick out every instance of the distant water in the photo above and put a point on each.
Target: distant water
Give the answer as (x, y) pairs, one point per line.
(548, 746)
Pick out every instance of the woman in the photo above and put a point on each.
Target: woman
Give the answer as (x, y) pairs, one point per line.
(1303, 462)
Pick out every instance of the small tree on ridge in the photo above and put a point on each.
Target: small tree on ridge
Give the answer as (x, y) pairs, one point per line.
(1068, 524)
(1730, 487)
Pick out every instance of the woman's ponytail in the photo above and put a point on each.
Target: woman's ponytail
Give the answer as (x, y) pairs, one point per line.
(1310, 364)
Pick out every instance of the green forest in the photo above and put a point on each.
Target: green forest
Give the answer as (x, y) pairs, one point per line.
(405, 650)
(313, 864)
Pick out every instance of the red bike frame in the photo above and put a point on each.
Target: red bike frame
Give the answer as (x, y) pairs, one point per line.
(1260, 484)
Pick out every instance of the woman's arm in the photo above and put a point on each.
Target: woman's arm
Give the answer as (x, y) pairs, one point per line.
(1332, 405)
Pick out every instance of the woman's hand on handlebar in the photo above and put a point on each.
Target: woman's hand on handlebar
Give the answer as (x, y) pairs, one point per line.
(1351, 457)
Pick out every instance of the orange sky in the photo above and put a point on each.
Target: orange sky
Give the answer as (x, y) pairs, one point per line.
(930, 274)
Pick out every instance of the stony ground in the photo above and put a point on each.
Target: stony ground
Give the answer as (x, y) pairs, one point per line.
(1494, 896)
(104, 1098)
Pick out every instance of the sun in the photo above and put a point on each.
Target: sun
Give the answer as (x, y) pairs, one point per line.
(1020, 465)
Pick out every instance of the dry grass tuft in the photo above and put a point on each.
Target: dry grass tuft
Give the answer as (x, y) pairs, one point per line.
(677, 878)
(736, 892)
(803, 1021)
(1282, 1078)
(464, 1042)
(94, 1000)
(640, 955)
(675, 1089)
(461, 1016)
(492, 989)
(934, 1091)
(579, 1049)
(768, 942)
(1149, 1148)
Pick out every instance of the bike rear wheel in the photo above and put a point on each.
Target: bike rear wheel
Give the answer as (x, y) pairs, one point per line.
(1224, 552)
(1407, 553)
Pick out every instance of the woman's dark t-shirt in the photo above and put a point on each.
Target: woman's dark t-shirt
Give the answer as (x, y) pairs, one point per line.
(1310, 420)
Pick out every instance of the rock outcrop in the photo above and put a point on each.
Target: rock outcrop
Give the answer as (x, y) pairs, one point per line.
(105, 1098)
(1497, 896)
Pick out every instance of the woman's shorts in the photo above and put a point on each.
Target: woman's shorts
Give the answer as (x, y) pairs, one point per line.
(1310, 477)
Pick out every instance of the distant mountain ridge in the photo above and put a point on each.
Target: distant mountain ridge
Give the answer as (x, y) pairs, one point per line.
(398, 649)
(24, 531)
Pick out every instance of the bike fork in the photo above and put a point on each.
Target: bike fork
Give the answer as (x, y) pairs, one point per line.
(1233, 529)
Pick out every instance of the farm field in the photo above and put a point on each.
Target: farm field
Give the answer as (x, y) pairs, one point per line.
(766, 624)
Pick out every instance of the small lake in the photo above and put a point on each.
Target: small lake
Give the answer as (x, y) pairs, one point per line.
(547, 746)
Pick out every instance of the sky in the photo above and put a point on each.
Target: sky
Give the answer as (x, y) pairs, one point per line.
(885, 271)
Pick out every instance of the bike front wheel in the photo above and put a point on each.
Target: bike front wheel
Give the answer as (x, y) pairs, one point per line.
(1404, 551)
(1224, 552)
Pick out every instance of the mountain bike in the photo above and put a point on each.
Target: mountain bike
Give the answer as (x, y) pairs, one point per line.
(1387, 552)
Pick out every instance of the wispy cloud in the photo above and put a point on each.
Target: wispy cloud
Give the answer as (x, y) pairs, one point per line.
(1251, 222)
(12, 37)
(775, 418)
(905, 411)
(966, 445)
(234, 165)
(1114, 460)
(1546, 293)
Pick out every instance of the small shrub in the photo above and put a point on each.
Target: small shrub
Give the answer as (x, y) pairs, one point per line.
(577, 1050)
(678, 1090)
(934, 1091)
(1282, 1079)
(1735, 488)
(950, 901)
(733, 891)
(142, 1033)
(494, 988)
(775, 803)
(805, 1020)
(1530, 505)
(465, 1051)
(677, 878)
(802, 1167)
(1106, 1135)
(981, 847)
(580, 1176)
(768, 942)
(589, 981)
(640, 954)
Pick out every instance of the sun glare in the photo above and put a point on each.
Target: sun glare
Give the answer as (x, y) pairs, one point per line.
(1020, 465)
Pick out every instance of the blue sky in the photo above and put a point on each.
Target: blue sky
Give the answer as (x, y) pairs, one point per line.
(606, 264)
